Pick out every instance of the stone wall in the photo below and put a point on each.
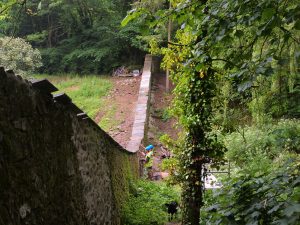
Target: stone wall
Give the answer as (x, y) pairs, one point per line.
(56, 165)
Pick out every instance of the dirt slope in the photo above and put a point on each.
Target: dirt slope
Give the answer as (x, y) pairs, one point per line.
(120, 108)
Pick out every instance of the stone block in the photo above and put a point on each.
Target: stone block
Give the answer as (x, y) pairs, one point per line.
(44, 86)
(62, 98)
(81, 115)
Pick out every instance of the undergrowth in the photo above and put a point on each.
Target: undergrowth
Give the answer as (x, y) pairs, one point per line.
(146, 204)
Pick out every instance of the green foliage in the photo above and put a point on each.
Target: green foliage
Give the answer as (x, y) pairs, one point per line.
(256, 149)
(109, 121)
(146, 204)
(75, 36)
(18, 55)
(140, 18)
(37, 38)
(163, 114)
(242, 41)
(264, 183)
(230, 107)
(87, 92)
(6, 5)
(265, 199)
(172, 164)
(166, 115)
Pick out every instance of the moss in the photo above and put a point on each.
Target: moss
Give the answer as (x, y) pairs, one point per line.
(123, 172)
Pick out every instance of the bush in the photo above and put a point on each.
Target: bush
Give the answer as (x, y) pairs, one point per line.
(18, 55)
(262, 149)
(146, 204)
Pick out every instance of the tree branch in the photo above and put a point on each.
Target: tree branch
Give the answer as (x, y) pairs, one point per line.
(290, 34)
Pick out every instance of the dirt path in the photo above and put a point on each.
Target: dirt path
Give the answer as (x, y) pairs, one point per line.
(120, 108)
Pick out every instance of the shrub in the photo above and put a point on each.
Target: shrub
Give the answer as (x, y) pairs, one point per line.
(255, 149)
(18, 55)
(166, 115)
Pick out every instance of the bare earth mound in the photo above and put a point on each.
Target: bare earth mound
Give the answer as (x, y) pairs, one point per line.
(120, 107)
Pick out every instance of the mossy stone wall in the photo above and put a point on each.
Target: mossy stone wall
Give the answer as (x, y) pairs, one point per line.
(56, 167)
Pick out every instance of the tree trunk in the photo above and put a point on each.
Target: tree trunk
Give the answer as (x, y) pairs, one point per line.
(193, 202)
(169, 39)
(49, 31)
(197, 146)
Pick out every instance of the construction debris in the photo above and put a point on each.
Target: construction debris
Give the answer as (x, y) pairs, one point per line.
(125, 72)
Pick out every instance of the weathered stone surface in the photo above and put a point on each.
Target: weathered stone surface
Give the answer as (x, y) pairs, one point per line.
(56, 168)
(62, 98)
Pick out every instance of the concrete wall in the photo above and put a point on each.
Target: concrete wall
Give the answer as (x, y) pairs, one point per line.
(56, 165)
(141, 119)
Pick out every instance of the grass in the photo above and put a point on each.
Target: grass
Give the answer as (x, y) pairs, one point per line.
(108, 121)
(87, 92)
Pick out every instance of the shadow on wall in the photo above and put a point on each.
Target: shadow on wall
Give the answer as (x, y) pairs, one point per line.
(56, 165)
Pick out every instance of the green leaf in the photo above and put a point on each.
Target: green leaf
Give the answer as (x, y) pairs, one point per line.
(239, 33)
(133, 14)
(289, 211)
(199, 67)
(297, 25)
(244, 86)
(268, 13)
(39, 6)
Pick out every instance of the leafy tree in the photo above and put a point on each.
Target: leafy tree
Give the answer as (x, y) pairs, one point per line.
(6, 5)
(18, 55)
(80, 36)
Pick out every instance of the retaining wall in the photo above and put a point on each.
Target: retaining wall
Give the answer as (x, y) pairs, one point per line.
(140, 124)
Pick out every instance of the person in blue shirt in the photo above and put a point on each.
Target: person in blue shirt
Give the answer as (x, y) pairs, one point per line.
(149, 150)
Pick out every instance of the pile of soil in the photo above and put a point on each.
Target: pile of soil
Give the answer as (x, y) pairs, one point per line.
(123, 96)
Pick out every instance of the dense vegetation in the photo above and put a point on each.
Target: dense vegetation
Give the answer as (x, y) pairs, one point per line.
(236, 69)
(74, 36)
(146, 204)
